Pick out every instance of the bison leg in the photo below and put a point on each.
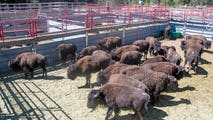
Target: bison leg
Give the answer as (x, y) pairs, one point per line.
(137, 109)
(44, 72)
(109, 113)
(116, 110)
(25, 69)
(87, 80)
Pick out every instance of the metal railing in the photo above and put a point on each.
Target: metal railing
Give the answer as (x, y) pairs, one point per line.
(34, 22)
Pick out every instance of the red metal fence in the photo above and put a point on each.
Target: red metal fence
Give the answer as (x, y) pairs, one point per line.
(33, 22)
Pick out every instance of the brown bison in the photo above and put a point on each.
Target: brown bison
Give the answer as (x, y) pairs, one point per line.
(154, 45)
(173, 56)
(88, 64)
(131, 58)
(167, 32)
(110, 43)
(155, 59)
(117, 53)
(28, 62)
(119, 96)
(165, 67)
(87, 51)
(144, 47)
(67, 49)
(201, 39)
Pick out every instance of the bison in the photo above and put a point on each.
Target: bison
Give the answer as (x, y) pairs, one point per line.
(67, 49)
(173, 56)
(117, 53)
(87, 51)
(155, 59)
(156, 82)
(167, 32)
(110, 43)
(126, 80)
(165, 67)
(201, 39)
(28, 62)
(144, 47)
(192, 56)
(88, 64)
(119, 96)
(154, 45)
(131, 57)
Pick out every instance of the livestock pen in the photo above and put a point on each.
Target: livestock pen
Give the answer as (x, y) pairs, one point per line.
(57, 97)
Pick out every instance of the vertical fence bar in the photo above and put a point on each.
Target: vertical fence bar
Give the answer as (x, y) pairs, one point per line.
(1, 33)
(155, 15)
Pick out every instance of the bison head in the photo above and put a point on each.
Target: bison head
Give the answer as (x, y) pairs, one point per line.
(208, 44)
(173, 84)
(14, 65)
(71, 72)
(92, 97)
(102, 77)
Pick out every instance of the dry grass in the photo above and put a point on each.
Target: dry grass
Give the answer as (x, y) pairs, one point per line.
(60, 98)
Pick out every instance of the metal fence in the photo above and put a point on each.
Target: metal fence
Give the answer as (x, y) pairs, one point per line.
(34, 22)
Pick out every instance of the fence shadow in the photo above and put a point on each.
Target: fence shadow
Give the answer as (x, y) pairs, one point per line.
(19, 100)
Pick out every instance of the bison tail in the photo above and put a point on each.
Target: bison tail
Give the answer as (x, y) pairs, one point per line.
(147, 101)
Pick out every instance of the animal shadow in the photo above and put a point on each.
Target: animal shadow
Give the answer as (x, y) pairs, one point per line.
(208, 51)
(204, 61)
(186, 88)
(151, 114)
(201, 71)
(166, 101)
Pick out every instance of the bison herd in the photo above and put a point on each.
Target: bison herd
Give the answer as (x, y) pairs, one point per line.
(127, 79)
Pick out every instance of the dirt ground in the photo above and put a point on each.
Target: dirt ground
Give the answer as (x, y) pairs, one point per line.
(57, 97)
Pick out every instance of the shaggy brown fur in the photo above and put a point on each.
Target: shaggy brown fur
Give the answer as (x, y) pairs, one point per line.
(154, 45)
(125, 80)
(143, 45)
(156, 82)
(89, 64)
(201, 39)
(116, 55)
(67, 49)
(173, 56)
(104, 75)
(87, 51)
(119, 96)
(165, 67)
(155, 59)
(131, 58)
(110, 43)
(167, 32)
(27, 62)
(192, 56)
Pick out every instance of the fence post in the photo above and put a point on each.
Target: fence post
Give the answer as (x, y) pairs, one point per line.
(86, 22)
(155, 15)
(1, 33)
(86, 38)
(91, 21)
(123, 34)
(130, 17)
(33, 32)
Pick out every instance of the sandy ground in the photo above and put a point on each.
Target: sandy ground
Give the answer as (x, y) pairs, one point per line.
(57, 97)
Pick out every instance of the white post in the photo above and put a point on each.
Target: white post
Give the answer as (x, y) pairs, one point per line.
(124, 34)
(86, 38)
